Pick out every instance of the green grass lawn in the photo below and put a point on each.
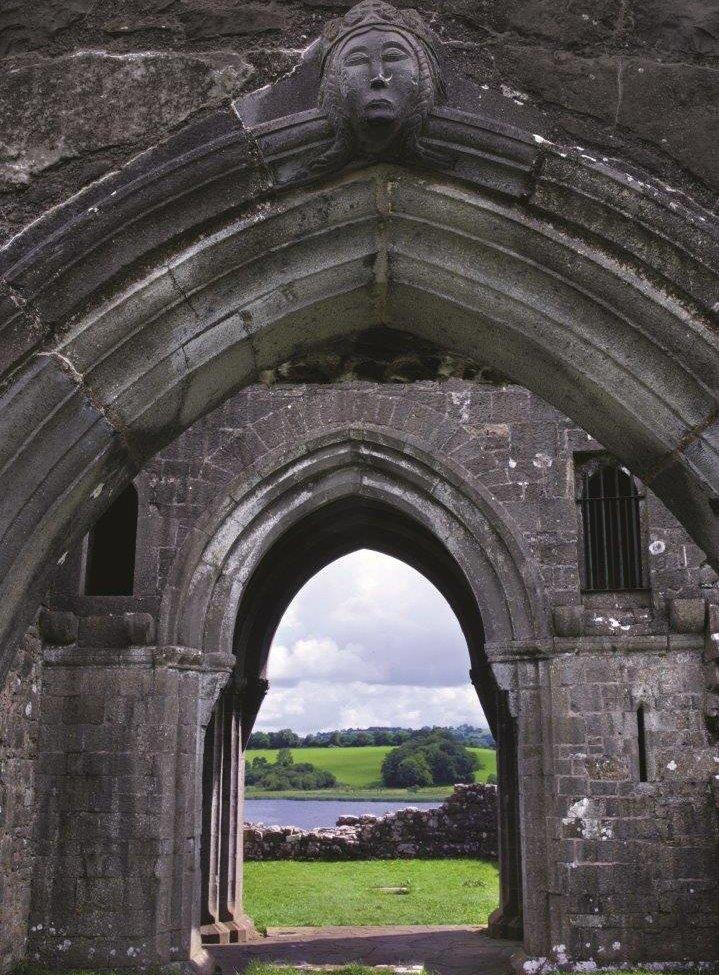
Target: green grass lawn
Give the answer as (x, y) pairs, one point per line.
(357, 769)
(293, 893)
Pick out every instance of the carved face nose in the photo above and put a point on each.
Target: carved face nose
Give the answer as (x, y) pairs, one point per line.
(380, 81)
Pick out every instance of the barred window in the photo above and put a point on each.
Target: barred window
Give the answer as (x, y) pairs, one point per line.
(110, 566)
(611, 524)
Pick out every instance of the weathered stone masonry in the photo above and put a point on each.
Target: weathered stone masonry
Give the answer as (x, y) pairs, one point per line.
(608, 657)
(465, 825)
(563, 238)
(19, 723)
(640, 75)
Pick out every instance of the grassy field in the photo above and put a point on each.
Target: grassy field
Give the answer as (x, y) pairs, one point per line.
(365, 892)
(358, 773)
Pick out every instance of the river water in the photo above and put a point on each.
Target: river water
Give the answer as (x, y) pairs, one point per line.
(310, 813)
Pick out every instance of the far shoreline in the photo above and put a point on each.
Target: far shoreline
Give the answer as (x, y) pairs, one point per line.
(359, 796)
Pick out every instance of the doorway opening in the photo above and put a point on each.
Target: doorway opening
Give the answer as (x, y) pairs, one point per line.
(366, 531)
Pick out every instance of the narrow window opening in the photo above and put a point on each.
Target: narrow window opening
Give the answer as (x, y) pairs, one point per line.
(642, 743)
(111, 548)
(611, 524)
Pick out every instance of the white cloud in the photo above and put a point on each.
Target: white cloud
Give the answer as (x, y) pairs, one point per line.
(367, 641)
(404, 625)
(316, 706)
(319, 658)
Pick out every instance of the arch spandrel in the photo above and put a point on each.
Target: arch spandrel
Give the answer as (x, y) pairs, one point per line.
(150, 297)
(213, 569)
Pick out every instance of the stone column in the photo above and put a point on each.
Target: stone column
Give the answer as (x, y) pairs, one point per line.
(223, 919)
(524, 772)
(531, 705)
(506, 921)
(120, 798)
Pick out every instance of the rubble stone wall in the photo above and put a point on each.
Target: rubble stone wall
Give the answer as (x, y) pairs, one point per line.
(465, 825)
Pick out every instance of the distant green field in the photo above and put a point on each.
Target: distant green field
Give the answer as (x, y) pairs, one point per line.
(358, 768)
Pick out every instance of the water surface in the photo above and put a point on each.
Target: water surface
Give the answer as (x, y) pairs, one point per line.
(310, 813)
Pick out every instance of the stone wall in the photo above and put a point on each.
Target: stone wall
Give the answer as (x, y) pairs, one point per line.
(637, 861)
(465, 825)
(118, 787)
(500, 435)
(19, 713)
(87, 86)
(591, 827)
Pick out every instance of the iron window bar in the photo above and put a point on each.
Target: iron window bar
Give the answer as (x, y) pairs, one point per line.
(611, 523)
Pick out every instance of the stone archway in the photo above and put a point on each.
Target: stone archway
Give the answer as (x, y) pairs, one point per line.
(256, 548)
(141, 304)
(221, 255)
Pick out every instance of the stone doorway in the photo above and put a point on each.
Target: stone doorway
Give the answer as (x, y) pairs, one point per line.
(332, 529)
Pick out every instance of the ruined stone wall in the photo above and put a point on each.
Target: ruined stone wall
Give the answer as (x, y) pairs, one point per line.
(501, 435)
(591, 827)
(464, 825)
(87, 85)
(19, 713)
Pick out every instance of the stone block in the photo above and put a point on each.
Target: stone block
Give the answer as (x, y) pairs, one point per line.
(58, 627)
(568, 620)
(687, 615)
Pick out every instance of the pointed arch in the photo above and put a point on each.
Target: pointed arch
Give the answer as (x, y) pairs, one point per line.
(153, 295)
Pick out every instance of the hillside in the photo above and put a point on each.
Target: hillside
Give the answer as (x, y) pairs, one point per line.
(358, 772)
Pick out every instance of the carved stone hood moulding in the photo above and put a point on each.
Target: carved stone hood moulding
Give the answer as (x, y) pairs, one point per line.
(375, 85)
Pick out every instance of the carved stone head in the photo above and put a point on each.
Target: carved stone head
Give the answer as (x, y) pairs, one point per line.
(380, 80)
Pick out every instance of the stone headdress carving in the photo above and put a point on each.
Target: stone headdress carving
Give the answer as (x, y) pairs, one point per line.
(381, 77)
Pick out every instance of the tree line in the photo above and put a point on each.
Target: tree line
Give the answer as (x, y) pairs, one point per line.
(429, 757)
(353, 737)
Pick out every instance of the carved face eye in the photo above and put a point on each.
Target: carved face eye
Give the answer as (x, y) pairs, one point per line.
(395, 52)
(356, 55)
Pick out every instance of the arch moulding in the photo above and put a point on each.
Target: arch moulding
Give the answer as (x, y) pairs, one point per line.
(201, 600)
(352, 488)
(152, 295)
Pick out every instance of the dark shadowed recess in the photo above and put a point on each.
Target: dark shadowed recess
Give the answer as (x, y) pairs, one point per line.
(111, 548)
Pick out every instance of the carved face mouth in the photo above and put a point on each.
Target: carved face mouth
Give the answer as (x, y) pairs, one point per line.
(379, 110)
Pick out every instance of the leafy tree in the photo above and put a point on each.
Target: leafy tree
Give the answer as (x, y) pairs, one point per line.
(413, 770)
(432, 757)
(259, 739)
(286, 738)
(285, 773)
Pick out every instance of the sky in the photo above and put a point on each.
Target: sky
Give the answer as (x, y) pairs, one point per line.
(368, 641)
